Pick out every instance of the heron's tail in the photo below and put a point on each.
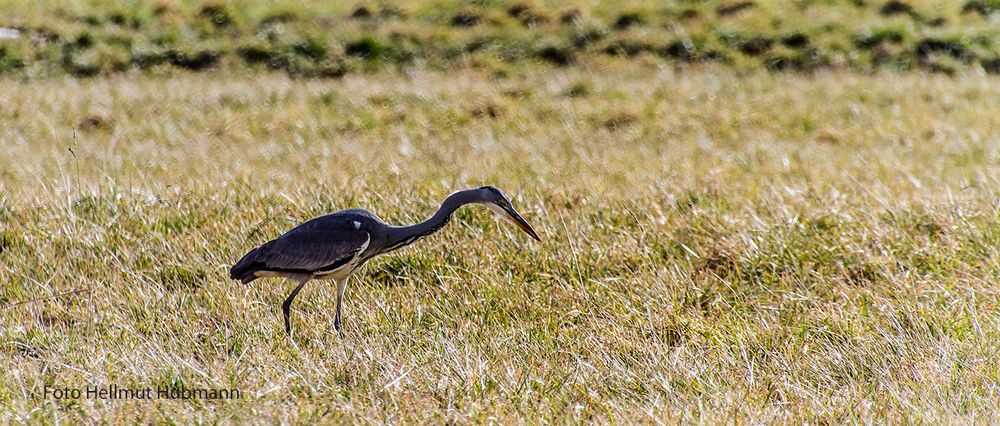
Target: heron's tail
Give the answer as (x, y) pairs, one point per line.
(245, 268)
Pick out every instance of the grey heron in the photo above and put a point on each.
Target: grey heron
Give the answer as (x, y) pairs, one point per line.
(336, 245)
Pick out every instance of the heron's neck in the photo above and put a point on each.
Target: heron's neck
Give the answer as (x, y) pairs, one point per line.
(400, 236)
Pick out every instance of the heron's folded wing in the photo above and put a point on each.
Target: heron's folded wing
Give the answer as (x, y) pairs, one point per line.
(318, 245)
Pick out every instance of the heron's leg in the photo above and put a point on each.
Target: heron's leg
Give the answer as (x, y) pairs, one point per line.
(341, 286)
(287, 304)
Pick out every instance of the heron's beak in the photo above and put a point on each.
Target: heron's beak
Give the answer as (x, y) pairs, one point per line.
(521, 223)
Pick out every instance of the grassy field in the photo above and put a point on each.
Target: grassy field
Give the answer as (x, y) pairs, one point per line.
(716, 246)
(749, 212)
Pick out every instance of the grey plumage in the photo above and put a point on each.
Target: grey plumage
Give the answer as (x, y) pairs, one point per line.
(336, 245)
(320, 245)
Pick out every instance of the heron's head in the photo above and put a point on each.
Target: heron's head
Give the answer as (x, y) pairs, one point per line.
(500, 204)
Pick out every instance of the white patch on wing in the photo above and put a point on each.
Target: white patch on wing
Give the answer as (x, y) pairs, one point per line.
(364, 246)
(357, 225)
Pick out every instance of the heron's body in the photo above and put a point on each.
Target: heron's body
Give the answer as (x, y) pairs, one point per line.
(334, 246)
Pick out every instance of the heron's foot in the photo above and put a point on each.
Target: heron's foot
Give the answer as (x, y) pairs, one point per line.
(339, 327)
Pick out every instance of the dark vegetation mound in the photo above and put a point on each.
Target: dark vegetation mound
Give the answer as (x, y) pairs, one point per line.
(161, 38)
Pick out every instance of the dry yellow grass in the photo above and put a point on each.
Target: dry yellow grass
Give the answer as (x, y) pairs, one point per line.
(716, 247)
